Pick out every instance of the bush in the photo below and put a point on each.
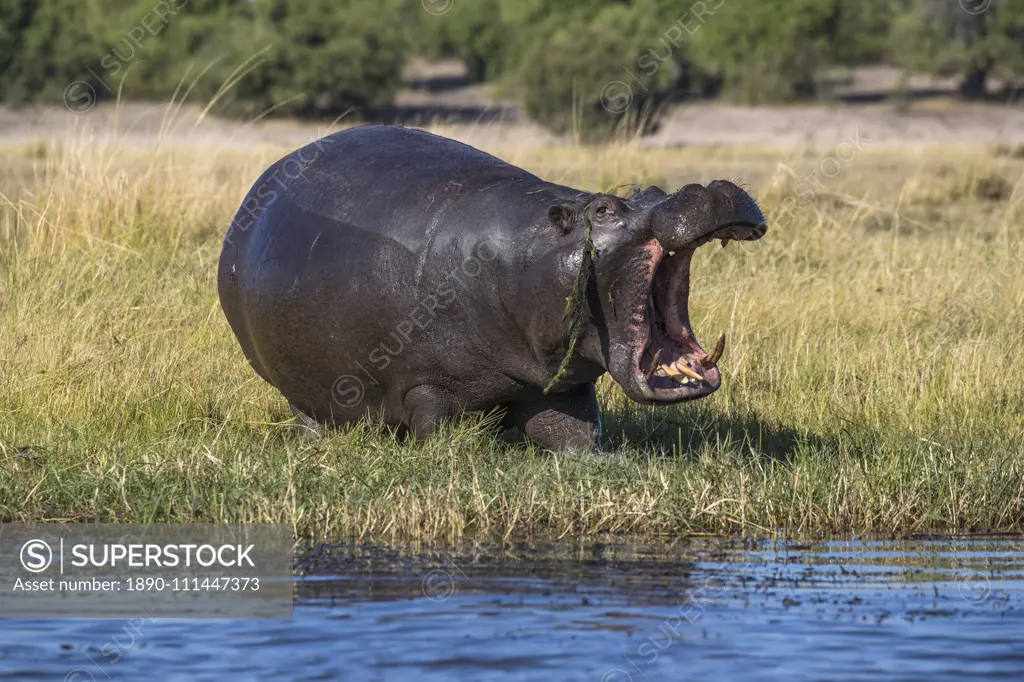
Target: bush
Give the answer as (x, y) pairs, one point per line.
(944, 39)
(329, 55)
(476, 32)
(15, 17)
(207, 38)
(45, 46)
(302, 56)
(580, 71)
(766, 50)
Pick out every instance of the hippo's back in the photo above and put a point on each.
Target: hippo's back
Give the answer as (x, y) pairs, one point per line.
(376, 177)
(337, 242)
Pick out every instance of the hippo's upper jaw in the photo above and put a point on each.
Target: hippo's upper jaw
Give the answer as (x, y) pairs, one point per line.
(663, 361)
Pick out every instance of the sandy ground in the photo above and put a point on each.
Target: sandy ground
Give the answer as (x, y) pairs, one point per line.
(439, 98)
(826, 126)
(695, 124)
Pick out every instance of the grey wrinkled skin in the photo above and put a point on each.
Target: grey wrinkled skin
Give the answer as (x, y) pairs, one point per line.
(396, 275)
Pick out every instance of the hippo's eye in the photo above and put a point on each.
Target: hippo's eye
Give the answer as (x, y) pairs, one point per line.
(602, 211)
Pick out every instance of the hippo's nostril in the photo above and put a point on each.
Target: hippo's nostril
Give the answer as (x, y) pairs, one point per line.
(696, 213)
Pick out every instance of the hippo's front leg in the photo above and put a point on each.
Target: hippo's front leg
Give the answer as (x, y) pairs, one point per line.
(560, 421)
(427, 408)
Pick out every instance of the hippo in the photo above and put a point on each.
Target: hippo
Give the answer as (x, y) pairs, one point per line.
(392, 274)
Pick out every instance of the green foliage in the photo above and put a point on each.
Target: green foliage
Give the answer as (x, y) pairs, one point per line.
(942, 38)
(208, 37)
(582, 72)
(858, 31)
(329, 55)
(56, 42)
(575, 305)
(766, 50)
(582, 66)
(15, 16)
(143, 48)
(315, 57)
(476, 32)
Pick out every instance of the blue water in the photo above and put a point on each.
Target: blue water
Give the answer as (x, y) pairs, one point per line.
(939, 608)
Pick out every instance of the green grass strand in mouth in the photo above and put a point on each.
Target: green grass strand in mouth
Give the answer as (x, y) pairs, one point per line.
(576, 303)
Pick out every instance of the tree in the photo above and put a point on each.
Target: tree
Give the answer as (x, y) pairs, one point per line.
(766, 50)
(316, 57)
(328, 56)
(196, 45)
(55, 43)
(589, 70)
(946, 39)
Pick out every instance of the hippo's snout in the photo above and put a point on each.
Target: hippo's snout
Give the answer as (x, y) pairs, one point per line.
(664, 362)
(696, 214)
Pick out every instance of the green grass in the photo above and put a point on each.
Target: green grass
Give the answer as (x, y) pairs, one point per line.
(873, 380)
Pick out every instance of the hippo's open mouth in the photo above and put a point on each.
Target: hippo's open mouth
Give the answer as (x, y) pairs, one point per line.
(670, 365)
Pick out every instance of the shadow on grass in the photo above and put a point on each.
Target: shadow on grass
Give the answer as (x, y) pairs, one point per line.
(686, 431)
(689, 431)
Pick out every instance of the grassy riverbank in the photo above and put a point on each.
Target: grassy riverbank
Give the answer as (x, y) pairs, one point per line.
(873, 381)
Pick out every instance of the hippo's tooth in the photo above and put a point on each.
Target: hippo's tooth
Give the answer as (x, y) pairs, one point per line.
(669, 371)
(682, 368)
(684, 380)
(671, 253)
(716, 353)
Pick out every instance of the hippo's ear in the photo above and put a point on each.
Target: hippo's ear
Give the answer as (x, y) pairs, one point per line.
(563, 217)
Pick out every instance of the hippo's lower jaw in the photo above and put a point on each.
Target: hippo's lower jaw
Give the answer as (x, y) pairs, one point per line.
(668, 363)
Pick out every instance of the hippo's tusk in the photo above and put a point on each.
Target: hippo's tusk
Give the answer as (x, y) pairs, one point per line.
(654, 365)
(716, 353)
